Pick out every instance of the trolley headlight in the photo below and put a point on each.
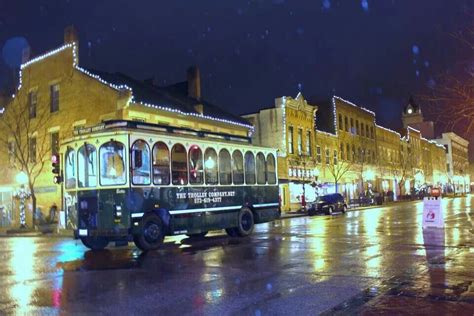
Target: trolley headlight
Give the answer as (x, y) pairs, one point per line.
(118, 210)
(84, 205)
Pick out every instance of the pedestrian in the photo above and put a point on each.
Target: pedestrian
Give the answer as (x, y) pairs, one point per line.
(52, 213)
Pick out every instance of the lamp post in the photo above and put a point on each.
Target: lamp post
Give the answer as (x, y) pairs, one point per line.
(22, 194)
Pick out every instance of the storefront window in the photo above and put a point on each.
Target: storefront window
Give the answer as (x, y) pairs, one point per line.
(70, 169)
(87, 166)
(112, 166)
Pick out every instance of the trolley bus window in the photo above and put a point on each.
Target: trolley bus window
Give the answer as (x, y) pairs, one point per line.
(261, 169)
(140, 163)
(87, 166)
(237, 167)
(210, 166)
(70, 168)
(249, 168)
(112, 166)
(225, 169)
(271, 172)
(195, 165)
(161, 164)
(179, 168)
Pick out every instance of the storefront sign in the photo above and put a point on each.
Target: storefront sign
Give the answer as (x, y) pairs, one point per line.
(432, 213)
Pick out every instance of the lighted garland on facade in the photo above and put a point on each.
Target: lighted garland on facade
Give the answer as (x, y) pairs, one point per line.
(120, 87)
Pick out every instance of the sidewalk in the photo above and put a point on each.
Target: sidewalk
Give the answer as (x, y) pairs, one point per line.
(40, 231)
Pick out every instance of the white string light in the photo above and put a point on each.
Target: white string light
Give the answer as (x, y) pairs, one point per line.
(122, 87)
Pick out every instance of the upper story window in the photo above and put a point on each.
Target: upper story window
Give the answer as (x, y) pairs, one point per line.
(357, 127)
(367, 131)
(210, 166)
(318, 154)
(179, 166)
(341, 150)
(54, 96)
(225, 167)
(238, 167)
(261, 169)
(140, 163)
(348, 152)
(112, 165)
(308, 143)
(335, 157)
(87, 166)
(290, 140)
(70, 169)
(346, 124)
(352, 126)
(196, 165)
(32, 149)
(300, 140)
(362, 129)
(249, 168)
(328, 155)
(161, 164)
(340, 122)
(54, 143)
(271, 169)
(372, 132)
(32, 103)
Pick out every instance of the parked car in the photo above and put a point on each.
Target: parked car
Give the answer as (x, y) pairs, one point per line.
(328, 204)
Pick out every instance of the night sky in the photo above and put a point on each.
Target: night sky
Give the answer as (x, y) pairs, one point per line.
(373, 53)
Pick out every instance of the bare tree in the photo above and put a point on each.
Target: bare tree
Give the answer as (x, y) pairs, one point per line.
(24, 138)
(340, 166)
(402, 168)
(305, 163)
(451, 100)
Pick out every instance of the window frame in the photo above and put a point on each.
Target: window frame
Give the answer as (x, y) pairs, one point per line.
(125, 164)
(150, 158)
(153, 165)
(54, 97)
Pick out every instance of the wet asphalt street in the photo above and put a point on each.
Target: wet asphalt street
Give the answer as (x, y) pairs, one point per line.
(364, 262)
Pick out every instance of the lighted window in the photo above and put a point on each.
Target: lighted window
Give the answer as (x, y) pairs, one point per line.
(300, 140)
(328, 156)
(261, 169)
(238, 167)
(112, 165)
(271, 169)
(140, 163)
(87, 166)
(196, 165)
(161, 164)
(335, 157)
(308, 143)
(249, 168)
(210, 166)
(54, 143)
(225, 167)
(179, 167)
(318, 154)
(70, 169)
(290, 140)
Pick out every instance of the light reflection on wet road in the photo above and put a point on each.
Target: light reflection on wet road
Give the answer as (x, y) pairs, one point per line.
(368, 262)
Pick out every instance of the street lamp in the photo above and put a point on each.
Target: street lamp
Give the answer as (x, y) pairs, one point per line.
(22, 195)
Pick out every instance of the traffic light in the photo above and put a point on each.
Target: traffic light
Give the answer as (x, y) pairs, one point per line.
(55, 163)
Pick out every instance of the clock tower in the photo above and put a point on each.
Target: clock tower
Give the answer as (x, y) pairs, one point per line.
(411, 114)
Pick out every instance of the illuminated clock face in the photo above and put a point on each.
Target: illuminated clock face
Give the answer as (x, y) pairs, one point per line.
(410, 110)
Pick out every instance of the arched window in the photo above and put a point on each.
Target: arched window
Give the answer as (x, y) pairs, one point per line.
(271, 170)
(238, 167)
(161, 164)
(87, 166)
(249, 168)
(112, 165)
(179, 166)
(70, 169)
(196, 168)
(210, 166)
(140, 163)
(261, 169)
(225, 173)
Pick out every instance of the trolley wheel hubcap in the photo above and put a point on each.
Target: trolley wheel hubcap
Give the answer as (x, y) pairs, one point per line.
(152, 232)
(246, 222)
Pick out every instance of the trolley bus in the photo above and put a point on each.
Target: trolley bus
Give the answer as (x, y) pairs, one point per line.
(127, 180)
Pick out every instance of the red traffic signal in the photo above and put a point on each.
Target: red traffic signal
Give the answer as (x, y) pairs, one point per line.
(56, 169)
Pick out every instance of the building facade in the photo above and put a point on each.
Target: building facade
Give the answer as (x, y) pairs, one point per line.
(56, 96)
